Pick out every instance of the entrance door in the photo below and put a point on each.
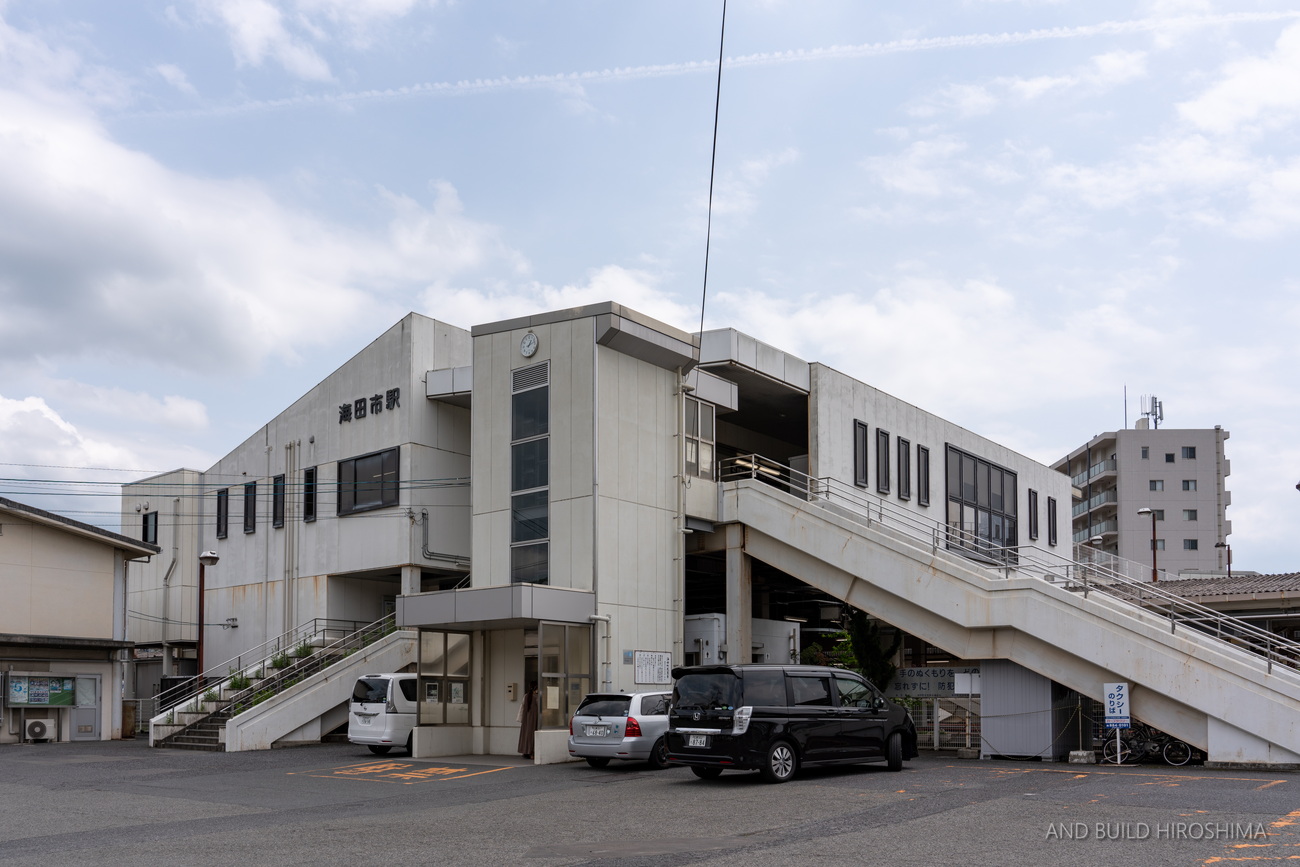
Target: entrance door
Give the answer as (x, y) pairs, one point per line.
(85, 713)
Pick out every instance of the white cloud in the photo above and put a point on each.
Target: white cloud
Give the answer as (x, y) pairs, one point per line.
(1264, 91)
(176, 77)
(925, 168)
(737, 191)
(106, 248)
(258, 33)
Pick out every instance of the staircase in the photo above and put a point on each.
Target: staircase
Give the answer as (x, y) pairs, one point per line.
(1218, 683)
(318, 660)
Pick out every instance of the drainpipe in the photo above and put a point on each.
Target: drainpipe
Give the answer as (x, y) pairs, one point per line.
(606, 682)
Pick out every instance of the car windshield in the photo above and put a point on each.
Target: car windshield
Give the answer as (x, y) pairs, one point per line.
(710, 691)
(370, 689)
(604, 705)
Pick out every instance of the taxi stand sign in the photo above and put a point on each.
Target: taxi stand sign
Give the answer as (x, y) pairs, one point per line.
(1117, 706)
(1117, 712)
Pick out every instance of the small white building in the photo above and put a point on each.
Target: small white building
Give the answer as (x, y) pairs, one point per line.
(540, 497)
(63, 643)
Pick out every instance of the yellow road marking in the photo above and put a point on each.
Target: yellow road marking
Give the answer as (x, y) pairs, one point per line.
(405, 773)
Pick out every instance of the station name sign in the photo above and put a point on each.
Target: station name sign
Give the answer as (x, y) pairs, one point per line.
(373, 405)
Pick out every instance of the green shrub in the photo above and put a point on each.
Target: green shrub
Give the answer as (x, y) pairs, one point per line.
(211, 696)
(303, 650)
(238, 680)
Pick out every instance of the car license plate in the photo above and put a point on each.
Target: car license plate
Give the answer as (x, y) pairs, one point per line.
(697, 740)
(364, 720)
(597, 731)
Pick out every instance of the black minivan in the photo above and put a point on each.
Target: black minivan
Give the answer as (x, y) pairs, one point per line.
(778, 718)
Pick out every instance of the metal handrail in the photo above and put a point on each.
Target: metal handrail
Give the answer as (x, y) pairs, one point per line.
(1103, 574)
(301, 668)
(319, 628)
(295, 669)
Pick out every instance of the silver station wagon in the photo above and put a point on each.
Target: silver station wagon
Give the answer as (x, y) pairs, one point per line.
(611, 725)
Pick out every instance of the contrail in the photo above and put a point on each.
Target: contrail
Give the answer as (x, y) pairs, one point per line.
(468, 87)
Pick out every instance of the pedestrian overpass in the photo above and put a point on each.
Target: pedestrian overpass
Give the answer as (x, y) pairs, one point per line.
(1221, 684)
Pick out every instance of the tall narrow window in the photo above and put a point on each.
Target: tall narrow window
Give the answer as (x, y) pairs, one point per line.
(904, 469)
(860, 453)
(699, 438)
(1051, 520)
(309, 494)
(1146, 453)
(922, 476)
(530, 479)
(1033, 514)
(277, 501)
(149, 530)
(223, 513)
(250, 507)
(882, 461)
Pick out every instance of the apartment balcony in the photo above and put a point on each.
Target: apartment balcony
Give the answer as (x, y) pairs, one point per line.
(1096, 501)
(1096, 470)
(1101, 528)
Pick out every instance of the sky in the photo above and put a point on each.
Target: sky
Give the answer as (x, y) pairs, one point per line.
(1011, 213)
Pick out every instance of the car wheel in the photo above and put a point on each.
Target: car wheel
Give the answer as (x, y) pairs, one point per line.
(1177, 753)
(659, 755)
(597, 763)
(706, 773)
(781, 763)
(377, 749)
(410, 744)
(894, 752)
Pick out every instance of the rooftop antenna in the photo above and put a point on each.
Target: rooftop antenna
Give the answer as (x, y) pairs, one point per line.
(1154, 409)
(713, 163)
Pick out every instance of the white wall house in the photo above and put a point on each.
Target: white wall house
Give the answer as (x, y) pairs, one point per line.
(62, 625)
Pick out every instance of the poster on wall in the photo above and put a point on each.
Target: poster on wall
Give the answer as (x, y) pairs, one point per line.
(653, 666)
(456, 692)
(27, 690)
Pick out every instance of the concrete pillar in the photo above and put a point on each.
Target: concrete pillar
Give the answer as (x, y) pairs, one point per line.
(410, 580)
(740, 586)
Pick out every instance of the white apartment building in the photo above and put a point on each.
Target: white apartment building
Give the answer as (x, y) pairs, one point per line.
(1178, 475)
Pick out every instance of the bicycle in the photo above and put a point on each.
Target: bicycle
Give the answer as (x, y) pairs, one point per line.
(1143, 744)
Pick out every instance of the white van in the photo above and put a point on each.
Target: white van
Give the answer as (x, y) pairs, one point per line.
(382, 713)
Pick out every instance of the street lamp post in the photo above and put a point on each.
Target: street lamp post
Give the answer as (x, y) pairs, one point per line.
(1155, 576)
(1229, 549)
(206, 559)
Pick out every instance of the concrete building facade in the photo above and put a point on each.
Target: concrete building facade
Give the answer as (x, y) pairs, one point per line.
(541, 499)
(1179, 475)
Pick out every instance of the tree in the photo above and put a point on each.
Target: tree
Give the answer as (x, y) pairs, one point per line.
(874, 659)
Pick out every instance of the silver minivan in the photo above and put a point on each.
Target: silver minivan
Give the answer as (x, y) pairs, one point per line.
(382, 712)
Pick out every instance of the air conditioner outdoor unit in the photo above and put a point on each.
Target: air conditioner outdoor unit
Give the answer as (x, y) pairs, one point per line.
(38, 729)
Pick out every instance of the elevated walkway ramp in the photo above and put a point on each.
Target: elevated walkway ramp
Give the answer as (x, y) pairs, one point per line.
(1064, 620)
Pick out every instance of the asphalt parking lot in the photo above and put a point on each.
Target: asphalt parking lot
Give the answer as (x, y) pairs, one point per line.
(124, 803)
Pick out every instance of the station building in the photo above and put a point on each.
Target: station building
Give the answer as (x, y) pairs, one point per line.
(541, 499)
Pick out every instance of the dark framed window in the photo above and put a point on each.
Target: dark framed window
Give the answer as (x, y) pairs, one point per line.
(904, 469)
(700, 417)
(860, 453)
(923, 475)
(368, 482)
(1051, 520)
(223, 513)
(982, 511)
(530, 471)
(1146, 453)
(1191, 544)
(882, 461)
(1169, 457)
(309, 494)
(1156, 485)
(1033, 514)
(149, 528)
(1189, 453)
(250, 507)
(277, 501)
(1189, 484)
